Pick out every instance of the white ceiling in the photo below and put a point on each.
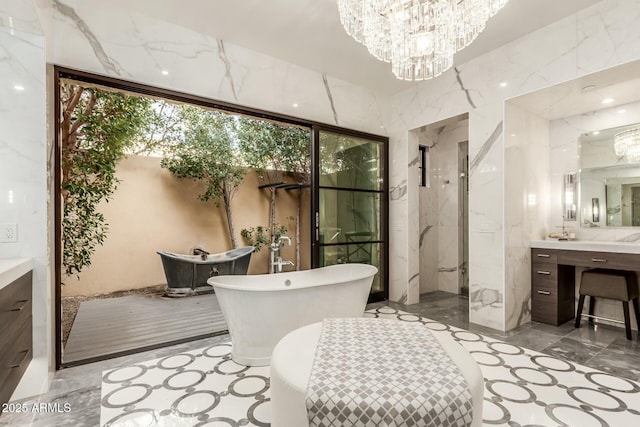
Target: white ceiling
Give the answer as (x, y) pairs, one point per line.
(309, 33)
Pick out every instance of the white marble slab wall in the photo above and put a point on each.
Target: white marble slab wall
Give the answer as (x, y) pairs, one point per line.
(595, 38)
(527, 168)
(486, 216)
(23, 169)
(107, 39)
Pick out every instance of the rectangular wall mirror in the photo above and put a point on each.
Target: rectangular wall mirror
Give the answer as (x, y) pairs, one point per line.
(610, 177)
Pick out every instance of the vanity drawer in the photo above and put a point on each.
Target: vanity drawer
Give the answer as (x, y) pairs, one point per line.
(618, 261)
(16, 334)
(15, 308)
(551, 306)
(15, 359)
(543, 255)
(544, 273)
(544, 305)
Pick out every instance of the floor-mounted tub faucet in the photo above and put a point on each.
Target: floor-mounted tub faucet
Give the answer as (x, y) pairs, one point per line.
(276, 260)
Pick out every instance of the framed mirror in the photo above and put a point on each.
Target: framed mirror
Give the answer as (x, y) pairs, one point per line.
(610, 177)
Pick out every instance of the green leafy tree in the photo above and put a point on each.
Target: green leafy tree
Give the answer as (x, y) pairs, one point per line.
(162, 127)
(207, 153)
(274, 151)
(96, 129)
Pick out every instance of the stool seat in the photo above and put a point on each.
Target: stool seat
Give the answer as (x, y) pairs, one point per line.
(618, 285)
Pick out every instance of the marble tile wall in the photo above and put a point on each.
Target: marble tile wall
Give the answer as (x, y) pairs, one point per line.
(527, 171)
(104, 38)
(595, 38)
(23, 168)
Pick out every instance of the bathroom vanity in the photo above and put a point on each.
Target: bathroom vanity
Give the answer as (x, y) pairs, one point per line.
(16, 346)
(553, 275)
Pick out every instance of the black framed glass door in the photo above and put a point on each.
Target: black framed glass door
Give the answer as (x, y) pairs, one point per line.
(350, 205)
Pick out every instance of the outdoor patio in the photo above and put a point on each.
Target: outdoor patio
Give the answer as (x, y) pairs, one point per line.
(105, 328)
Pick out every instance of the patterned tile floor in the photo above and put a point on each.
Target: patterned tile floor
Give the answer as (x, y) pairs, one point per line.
(522, 387)
(602, 348)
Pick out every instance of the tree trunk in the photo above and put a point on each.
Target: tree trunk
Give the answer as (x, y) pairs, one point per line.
(227, 208)
(298, 229)
(272, 212)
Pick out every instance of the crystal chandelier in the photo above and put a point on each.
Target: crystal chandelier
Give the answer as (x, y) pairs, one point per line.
(627, 144)
(418, 37)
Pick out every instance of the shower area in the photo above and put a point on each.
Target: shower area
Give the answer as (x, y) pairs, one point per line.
(443, 154)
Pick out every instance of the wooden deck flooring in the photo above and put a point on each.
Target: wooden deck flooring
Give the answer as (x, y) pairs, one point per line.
(106, 328)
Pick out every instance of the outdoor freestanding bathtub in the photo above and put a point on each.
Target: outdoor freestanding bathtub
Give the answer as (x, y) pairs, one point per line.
(261, 309)
(188, 274)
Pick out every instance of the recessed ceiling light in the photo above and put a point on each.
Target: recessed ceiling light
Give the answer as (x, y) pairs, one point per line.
(165, 72)
(622, 111)
(19, 88)
(513, 134)
(295, 105)
(608, 100)
(503, 84)
(595, 132)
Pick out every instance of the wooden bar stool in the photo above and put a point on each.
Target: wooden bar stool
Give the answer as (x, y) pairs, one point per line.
(617, 285)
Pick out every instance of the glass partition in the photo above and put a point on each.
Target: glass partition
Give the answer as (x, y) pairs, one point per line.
(351, 203)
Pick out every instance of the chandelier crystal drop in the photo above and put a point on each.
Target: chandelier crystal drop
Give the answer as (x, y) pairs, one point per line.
(418, 37)
(627, 144)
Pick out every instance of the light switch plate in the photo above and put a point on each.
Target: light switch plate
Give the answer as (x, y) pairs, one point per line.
(8, 233)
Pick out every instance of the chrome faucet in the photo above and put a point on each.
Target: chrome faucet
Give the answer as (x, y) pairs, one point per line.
(284, 239)
(277, 262)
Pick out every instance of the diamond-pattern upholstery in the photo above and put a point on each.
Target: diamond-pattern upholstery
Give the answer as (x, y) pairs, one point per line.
(374, 372)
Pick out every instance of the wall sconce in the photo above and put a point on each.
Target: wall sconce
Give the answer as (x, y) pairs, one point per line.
(570, 209)
(595, 209)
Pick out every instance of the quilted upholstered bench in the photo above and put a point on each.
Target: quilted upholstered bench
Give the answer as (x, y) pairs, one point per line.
(295, 379)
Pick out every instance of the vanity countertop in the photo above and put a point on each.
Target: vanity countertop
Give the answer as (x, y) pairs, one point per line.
(588, 245)
(13, 268)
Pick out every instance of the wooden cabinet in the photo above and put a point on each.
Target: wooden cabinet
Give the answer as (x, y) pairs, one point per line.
(552, 288)
(553, 273)
(16, 342)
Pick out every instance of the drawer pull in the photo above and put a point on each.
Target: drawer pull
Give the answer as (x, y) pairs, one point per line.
(544, 256)
(19, 305)
(546, 273)
(598, 260)
(16, 363)
(544, 292)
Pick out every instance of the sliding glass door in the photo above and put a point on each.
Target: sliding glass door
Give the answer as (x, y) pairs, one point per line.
(350, 203)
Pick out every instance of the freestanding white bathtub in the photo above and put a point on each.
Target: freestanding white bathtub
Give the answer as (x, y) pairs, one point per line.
(261, 309)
